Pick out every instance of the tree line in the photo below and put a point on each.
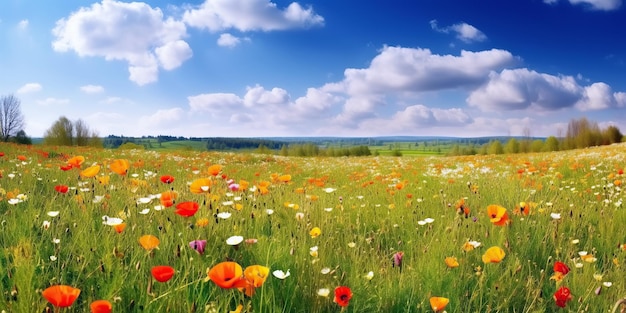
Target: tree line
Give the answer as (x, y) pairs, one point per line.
(581, 133)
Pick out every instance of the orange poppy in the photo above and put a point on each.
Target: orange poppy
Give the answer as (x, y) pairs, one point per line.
(201, 185)
(493, 255)
(497, 215)
(119, 228)
(90, 171)
(61, 295)
(61, 188)
(227, 275)
(162, 273)
(76, 161)
(101, 306)
(22, 157)
(284, 178)
(187, 209)
(438, 304)
(149, 242)
(462, 208)
(343, 295)
(214, 169)
(120, 166)
(451, 262)
(167, 198)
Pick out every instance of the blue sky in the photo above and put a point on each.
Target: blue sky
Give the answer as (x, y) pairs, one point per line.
(255, 68)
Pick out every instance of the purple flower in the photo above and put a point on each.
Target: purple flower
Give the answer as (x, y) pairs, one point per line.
(397, 259)
(198, 245)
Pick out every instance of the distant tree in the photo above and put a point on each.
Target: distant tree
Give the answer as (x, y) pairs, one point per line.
(11, 118)
(67, 133)
(551, 144)
(612, 134)
(536, 145)
(496, 147)
(512, 146)
(22, 138)
(61, 133)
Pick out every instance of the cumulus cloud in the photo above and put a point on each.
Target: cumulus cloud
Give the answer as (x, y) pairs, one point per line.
(228, 40)
(250, 15)
(398, 69)
(28, 88)
(134, 32)
(599, 96)
(92, 89)
(465, 32)
(257, 95)
(519, 89)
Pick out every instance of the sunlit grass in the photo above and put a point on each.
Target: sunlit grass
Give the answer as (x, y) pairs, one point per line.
(367, 210)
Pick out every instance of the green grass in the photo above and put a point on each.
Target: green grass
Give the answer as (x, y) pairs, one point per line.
(375, 209)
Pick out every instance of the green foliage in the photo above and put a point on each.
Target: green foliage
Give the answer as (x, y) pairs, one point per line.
(131, 146)
(495, 147)
(67, 133)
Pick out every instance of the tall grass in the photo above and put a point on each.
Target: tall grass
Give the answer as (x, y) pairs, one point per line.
(368, 209)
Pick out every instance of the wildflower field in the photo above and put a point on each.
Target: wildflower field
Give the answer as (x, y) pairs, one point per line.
(91, 230)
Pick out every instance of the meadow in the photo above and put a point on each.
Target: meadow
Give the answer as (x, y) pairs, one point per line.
(185, 231)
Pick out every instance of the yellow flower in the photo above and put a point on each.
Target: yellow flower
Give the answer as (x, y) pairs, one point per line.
(315, 232)
(493, 255)
(451, 262)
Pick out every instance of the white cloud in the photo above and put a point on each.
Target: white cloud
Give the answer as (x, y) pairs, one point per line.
(133, 32)
(92, 89)
(250, 15)
(161, 118)
(465, 32)
(228, 40)
(603, 5)
(53, 101)
(173, 54)
(397, 69)
(520, 89)
(28, 88)
(23, 24)
(257, 95)
(214, 102)
(599, 96)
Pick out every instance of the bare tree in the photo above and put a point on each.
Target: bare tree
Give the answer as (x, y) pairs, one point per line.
(11, 118)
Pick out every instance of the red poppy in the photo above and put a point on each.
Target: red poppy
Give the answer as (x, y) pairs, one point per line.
(1, 154)
(162, 273)
(561, 267)
(561, 296)
(167, 179)
(61, 188)
(343, 295)
(187, 209)
(61, 295)
(101, 306)
(66, 167)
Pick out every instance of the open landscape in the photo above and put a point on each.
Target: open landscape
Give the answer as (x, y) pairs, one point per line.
(180, 231)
